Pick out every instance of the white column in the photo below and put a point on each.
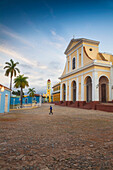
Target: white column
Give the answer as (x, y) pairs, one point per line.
(77, 59)
(66, 64)
(70, 63)
(69, 90)
(82, 88)
(95, 86)
(77, 89)
(61, 92)
(111, 83)
(110, 92)
(81, 56)
(66, 90)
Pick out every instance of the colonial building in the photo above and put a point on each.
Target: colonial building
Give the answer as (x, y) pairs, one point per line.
(4, 99)
(56, 92)
(88, 74)
(15, 100)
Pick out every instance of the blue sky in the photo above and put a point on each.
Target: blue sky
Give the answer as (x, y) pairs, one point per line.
(37, 32)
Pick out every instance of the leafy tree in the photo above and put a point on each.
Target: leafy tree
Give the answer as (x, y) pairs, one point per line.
(31, 92)
(17, 93)
(21, 82)
(11, 70)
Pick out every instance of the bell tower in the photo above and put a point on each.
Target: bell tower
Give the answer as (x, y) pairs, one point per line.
(49, 90)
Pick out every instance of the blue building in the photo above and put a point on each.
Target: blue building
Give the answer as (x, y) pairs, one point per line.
(4, 99)
(15, 100)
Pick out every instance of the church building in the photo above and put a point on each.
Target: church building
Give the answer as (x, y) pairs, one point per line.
(88, 74)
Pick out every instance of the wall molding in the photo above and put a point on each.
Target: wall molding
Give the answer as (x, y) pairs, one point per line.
(75, 76)
(94, 63)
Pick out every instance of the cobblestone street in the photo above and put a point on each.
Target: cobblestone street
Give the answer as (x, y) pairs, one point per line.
(71, 138)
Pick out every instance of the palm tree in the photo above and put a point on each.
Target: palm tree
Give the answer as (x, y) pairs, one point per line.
(31, 92)
(21, 81)
(12, 70)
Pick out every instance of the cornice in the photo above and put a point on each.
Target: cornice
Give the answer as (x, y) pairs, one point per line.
(81, 40)
(94, 63)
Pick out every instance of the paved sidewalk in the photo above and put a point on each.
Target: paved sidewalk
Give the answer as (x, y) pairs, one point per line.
(71, 138)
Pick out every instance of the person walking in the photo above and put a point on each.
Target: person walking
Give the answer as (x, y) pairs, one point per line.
(51, 112)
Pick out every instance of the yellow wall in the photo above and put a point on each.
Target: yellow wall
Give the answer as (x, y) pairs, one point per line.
(56, 97)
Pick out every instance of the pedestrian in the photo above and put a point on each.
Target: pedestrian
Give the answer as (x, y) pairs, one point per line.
(51, 112)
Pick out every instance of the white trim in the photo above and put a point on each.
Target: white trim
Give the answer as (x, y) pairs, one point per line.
(69, 90)
(57, 91)
(82, 56)
(77, 59)
(82, 88)
(61, 91)
(95, 90)
(94, 63)
(89, 45)
(66, 64)
(70, 63)
(66, 90)
(111, 78)
(82, 40)
(97, 70)
(75, 50)
(104, 76)
(88, 76)
(77, 89)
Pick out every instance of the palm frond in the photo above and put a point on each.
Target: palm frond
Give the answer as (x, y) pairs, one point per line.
(17, 70)
(8, 63)
(7, 72)
(6, 67)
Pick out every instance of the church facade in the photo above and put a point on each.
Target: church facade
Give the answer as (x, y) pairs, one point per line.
(88, 74)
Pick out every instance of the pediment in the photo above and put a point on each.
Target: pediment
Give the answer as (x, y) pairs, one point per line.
(75, 42)
(72, 43)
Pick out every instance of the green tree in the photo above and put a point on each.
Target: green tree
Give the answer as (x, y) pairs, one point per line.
(31, 92)
(17, 93)
(11, 70)
(21, 82)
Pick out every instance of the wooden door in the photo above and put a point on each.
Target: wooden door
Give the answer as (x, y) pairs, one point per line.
(103, 92)
(74, 91)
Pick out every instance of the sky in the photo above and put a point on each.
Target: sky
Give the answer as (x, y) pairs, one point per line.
(36, 33)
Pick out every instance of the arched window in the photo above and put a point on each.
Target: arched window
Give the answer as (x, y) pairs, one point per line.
(73, 63)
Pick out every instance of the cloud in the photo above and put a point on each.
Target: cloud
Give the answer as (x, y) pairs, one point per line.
(57, 37)
(16, 55)
(1, 70)
(11, 34)
(49, 8)
(54, 65)
(26, 66)
(53, 32)
(27, 73)
(30, 63)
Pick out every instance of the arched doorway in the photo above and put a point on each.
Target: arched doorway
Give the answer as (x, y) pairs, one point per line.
(73, 86)
(103, 89)
(64, 92)
(89, 89)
